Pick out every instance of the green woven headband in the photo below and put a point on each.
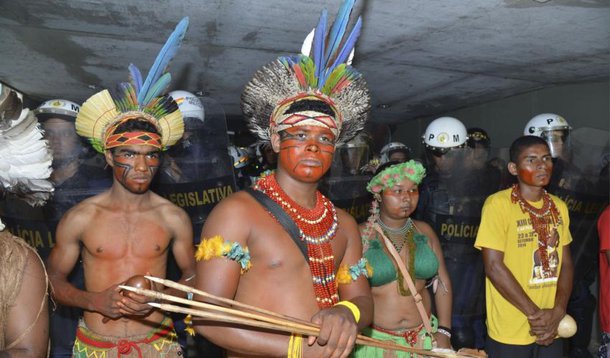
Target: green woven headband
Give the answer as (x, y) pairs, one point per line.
(394, 174)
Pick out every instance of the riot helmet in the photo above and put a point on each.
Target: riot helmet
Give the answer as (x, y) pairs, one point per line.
(444, 134)
(554, 129)
(239, 156)
(57, 117)
(57, 108)
(395, 151)
(479, 143)
(444, 139)
(191, 108)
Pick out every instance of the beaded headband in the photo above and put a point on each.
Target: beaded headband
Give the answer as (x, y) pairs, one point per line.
(394, 174)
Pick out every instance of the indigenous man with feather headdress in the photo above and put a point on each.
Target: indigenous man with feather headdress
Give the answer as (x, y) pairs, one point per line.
(304, 105)
(127, 230)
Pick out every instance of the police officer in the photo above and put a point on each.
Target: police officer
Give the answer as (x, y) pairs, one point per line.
(451, 201)
(73, 183)
(396, 152)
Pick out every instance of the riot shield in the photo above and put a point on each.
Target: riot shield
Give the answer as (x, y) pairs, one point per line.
(345, 185)
(197, 172)
(451, 199)
(581, 181)
(78, 173)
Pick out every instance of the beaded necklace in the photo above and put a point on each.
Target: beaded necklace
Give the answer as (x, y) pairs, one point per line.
(405, 236)
(399, 236)
(317, 227)
(540, 218)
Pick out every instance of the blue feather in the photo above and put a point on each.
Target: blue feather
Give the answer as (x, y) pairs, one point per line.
(348, 45)
(162, 61)
(135, 77)
(338, 29)
(158, 88)
(318, 43)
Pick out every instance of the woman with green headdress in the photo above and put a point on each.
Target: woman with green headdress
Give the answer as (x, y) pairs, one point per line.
(405, 257)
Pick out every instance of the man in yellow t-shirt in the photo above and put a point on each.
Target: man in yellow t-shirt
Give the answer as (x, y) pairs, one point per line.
(524, 235)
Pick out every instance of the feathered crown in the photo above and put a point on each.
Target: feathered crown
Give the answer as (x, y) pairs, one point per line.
(100, 115)
(321, 73)
(25, 158)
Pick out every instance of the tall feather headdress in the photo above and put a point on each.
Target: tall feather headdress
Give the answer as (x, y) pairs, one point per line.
(137, 99)
(322, 72)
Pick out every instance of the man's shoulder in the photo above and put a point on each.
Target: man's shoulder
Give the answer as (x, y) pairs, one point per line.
(239, 205)
(88, 206)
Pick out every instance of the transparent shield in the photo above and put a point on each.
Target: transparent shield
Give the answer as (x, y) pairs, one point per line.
(345, 184)
(582, 183)
(197, 172)
(451, 198)
(78, 173)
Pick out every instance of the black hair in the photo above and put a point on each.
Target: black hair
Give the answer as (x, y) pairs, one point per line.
(311, 105)
(522, 143)
(385, 166)
(136, 125)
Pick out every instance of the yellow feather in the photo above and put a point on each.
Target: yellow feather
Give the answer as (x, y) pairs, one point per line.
(172, 128)
(95, 115)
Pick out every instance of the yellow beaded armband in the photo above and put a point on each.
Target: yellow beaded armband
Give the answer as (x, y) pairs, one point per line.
(347, 274)
(352, 307)
(295, 346)
(217, 247)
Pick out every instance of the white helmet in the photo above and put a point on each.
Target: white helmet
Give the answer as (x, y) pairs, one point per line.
(189, 105)
(391, 147)
(239, 156)
(57, 108)
(547, 126)
(445, 133)
(545, 122)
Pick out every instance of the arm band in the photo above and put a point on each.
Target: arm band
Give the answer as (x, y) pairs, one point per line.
(352, 307)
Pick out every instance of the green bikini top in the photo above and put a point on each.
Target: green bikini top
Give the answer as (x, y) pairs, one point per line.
(384, 271)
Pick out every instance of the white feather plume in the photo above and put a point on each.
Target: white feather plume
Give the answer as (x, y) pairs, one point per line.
(25, 160)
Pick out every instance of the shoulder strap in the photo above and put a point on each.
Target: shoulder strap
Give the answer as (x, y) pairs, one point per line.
(280, 215)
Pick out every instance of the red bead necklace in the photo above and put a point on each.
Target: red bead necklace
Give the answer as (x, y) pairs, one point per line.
(541, 219)
(318, 227)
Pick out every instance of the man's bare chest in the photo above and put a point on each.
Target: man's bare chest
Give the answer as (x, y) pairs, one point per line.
(113, 236)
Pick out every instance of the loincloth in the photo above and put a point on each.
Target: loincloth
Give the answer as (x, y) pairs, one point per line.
(159, 342)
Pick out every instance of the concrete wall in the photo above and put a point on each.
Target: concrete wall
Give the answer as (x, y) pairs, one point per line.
(583, 105)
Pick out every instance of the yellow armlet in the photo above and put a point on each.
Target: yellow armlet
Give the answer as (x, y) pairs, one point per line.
(352, 307)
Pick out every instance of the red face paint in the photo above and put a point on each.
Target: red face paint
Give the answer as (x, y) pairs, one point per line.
(399, 201)
(306, 152)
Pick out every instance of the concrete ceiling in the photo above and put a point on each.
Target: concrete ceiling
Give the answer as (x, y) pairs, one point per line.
(421, 58)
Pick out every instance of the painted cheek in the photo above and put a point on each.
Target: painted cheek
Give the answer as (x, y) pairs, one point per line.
(527, 175)
(289, 155)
